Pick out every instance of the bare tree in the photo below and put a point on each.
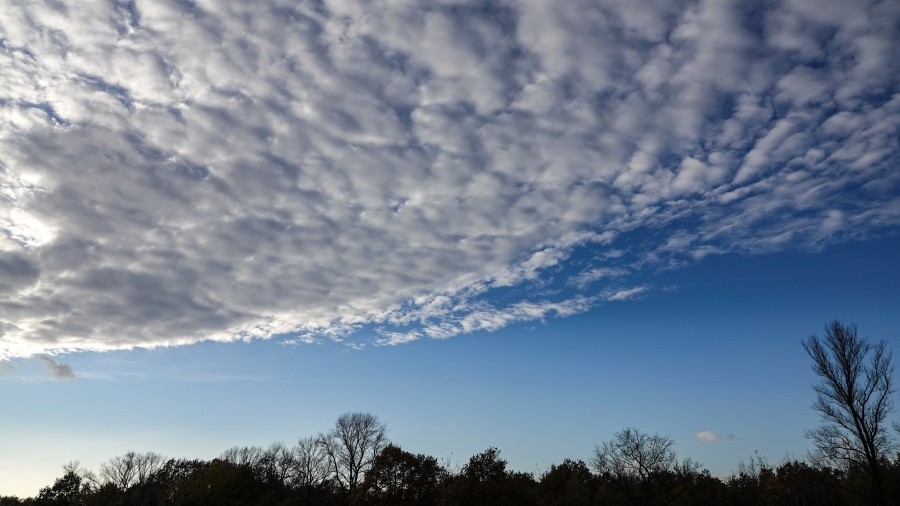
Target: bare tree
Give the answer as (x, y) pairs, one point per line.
(643, 466)
(351, 446)
(278, 464)
(88, 477)
(854, 398)
(131, 469)
(249, 456)
(311, 466)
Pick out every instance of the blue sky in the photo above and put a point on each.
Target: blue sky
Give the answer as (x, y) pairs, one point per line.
(525, 224)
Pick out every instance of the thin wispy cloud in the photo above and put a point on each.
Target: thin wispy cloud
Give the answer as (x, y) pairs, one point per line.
(59, 370)
(172, 172)
(586, 278)
(626, 293)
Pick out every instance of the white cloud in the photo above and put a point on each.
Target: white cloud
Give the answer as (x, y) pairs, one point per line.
(706, 436)
(626, 293)
(395, 338)
(712, 437)
(179, 171)
(587, 277)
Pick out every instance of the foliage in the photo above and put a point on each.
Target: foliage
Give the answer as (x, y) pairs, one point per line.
(66, 490)
(485, 480)
(567, 484)
(399, 478)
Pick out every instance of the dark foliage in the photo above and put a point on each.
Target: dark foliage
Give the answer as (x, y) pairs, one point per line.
(485, 480)
(568, 484)
(399, 478)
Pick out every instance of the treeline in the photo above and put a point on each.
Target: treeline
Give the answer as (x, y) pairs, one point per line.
(355, 464)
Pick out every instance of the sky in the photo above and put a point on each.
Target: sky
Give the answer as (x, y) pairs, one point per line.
(521, 224)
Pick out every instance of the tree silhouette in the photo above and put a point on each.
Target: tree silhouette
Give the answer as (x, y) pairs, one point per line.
(399, 478)
(854, 399)
(351, 446)
(250, 456)
(566, 484)
(485, 480)
(644, 467)
(311, 467)
(65, 491)
(131, 469)
(278, 465)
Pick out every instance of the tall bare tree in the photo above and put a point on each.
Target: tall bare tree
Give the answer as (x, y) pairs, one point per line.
(351, 446)
(311, 466)
(854, 398)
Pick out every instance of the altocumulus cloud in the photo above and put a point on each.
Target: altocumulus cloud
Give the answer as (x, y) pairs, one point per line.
(177, 171)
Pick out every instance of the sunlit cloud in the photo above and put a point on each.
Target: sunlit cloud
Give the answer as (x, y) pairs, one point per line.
(626, 293)
(712, 437)
(381, 172)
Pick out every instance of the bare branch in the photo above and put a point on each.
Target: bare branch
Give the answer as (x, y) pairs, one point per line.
(854, 398)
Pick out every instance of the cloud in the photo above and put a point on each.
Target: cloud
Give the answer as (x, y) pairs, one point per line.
(174, 172)
(59, 370)
(587, 277)
(712, 437)
(626, 293)
(395, 338)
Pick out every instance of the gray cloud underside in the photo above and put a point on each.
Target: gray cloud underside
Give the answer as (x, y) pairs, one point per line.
(59, 370)
(178, 171)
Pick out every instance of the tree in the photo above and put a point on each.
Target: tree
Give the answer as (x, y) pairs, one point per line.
(797, 482)
(131, 469)
(66, 490)
(222, 483)
(854, 399)
(351, 446)
(169, 483)
(485, 480)
(277, 465)
(311, 467)
(399, 478)
(248, 456)
(643, 467)
(566, 484)
(486, 466)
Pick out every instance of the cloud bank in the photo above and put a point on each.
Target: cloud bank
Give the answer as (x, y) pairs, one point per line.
(177, 171)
